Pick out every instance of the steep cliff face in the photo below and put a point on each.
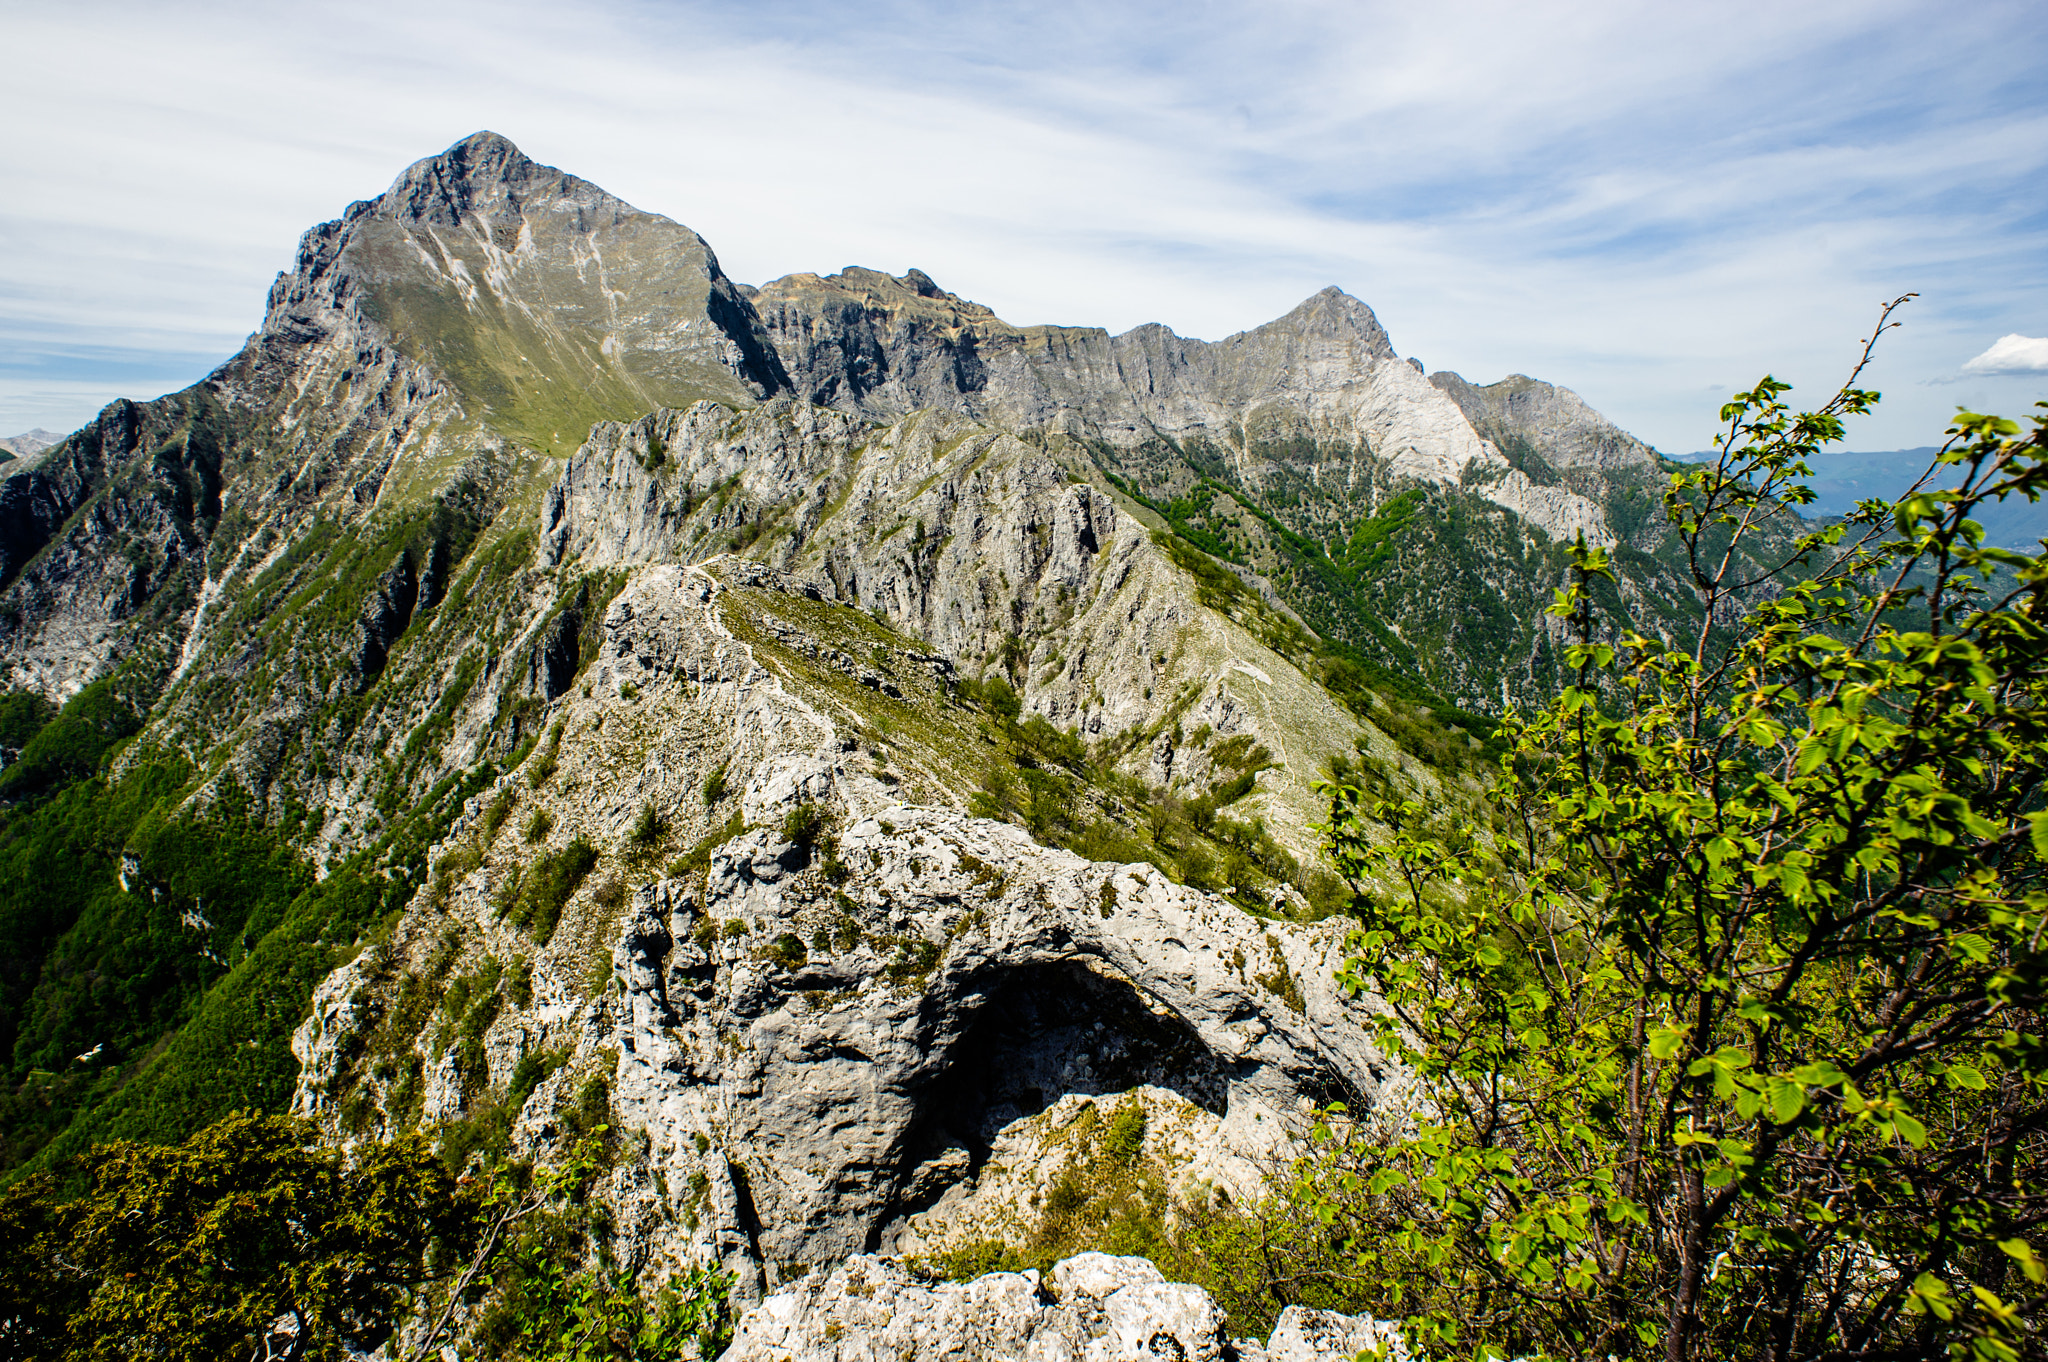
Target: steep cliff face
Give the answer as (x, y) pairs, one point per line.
(1326, 372)
(544, 299)
(1554, 423)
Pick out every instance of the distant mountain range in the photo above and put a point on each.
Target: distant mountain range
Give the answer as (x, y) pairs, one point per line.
(1844, 477)
(29, 442)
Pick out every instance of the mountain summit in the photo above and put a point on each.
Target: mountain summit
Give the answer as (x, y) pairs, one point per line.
(544, 302)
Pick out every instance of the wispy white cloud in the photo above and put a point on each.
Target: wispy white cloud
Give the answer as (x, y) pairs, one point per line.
(2014, 354)
(55, 404)
(1635, 199)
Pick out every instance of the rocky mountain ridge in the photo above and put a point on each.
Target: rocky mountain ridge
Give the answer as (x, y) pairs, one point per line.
(821, 731)
(867, 342)
(432, 344)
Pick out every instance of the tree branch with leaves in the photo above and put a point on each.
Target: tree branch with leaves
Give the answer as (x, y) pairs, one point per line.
(1728, 1041)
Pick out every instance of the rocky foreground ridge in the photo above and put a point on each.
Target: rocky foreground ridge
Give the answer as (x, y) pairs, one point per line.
(1095, 1308)
(831, 1047)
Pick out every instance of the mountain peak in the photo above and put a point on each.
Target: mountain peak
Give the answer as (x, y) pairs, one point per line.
(1547, 417)
(1332, 311)
(484, 171)
(29, 442)
(485, 142)
(486, 158)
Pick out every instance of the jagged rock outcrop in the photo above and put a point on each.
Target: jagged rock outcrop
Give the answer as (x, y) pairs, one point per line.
(1018, 974)
(1096, 1308)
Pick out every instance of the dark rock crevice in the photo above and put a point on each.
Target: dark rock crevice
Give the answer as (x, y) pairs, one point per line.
(1041, 1032)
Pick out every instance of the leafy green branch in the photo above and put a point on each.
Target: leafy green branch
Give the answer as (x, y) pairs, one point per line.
(1729, 1038)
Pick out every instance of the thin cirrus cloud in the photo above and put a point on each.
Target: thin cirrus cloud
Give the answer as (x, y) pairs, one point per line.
(1649, 203)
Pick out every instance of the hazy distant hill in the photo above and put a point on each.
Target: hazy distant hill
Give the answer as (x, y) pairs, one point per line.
(1845, 477)
(29, 442)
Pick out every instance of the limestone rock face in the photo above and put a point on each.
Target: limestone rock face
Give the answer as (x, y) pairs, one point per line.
(1096, 1309)
(1551, 419)
(1305, 1335)
(990, 550)
(863, 341)
(1003, 974)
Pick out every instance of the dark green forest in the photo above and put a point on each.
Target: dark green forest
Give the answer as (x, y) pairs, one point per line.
(156, 953)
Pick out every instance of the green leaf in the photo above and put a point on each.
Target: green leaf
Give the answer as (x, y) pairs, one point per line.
(1787, 1100)
(2030, 1263)
(1963, 1076)
(1819, 1074)
(1930, 1296)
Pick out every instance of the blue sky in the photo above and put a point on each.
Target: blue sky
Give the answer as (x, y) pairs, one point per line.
(1650, 203)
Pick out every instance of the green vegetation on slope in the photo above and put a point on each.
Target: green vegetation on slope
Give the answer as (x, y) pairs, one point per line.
(155, 958)
(192, 1252)
(65, 747)
(1423, 596)
(536, 347)
(1352, 653)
